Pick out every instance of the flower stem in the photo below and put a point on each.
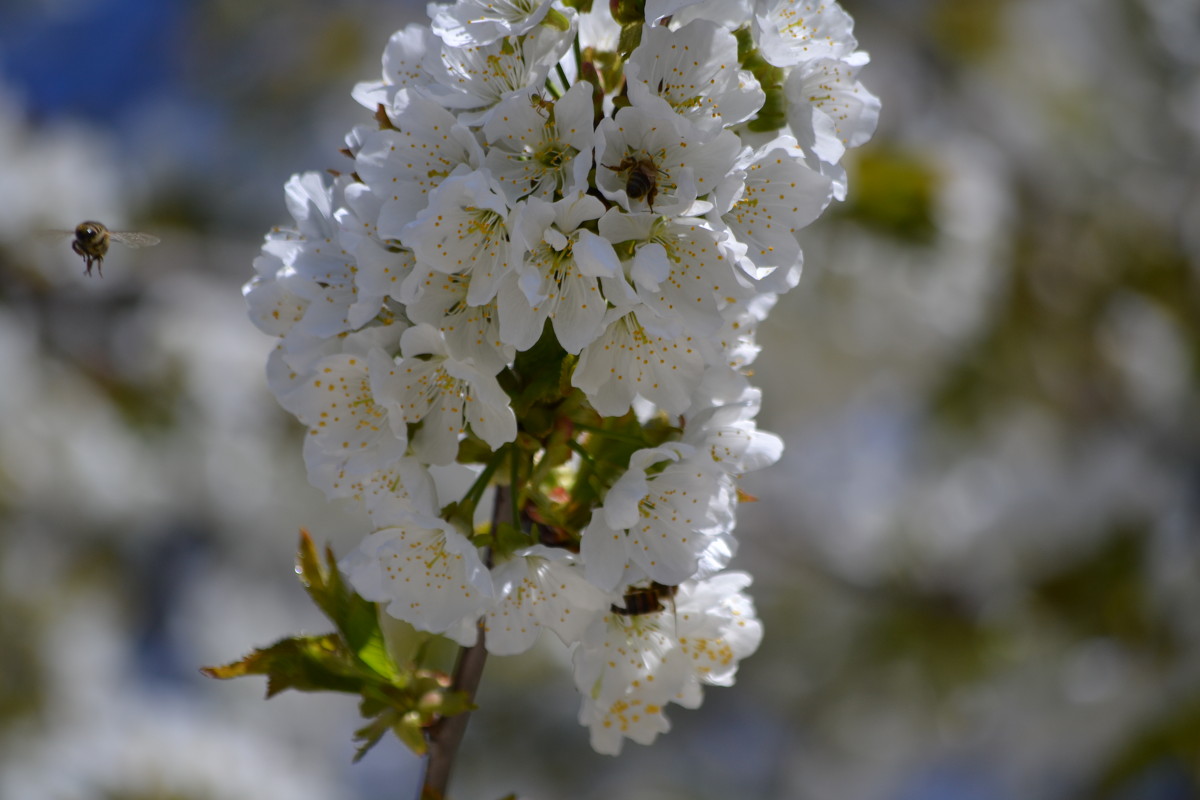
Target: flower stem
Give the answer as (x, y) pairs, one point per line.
(446, 735)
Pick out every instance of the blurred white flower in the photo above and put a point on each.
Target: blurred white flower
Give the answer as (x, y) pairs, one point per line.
(540, 587)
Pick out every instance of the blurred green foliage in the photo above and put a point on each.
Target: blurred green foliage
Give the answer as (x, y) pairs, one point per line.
(894, 193)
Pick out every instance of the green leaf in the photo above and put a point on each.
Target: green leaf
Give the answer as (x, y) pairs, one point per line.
(509, 538)
(355, 618)
(307, 664)
(353, 660)
(369, 735)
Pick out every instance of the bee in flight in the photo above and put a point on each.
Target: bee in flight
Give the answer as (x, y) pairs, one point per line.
(645, 600)
(642, 178)
(92, 239)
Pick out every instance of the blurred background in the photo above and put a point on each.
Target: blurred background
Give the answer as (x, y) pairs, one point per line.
(978, 564)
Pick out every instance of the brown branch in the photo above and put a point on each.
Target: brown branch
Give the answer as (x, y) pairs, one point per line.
(446, 735)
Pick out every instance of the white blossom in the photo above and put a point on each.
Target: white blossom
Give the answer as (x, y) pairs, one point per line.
(630, 359)
(382, 265)
(829, 110)
(504, 234)
(791, 32)
(348, 429)
(540, 147)
(274, 306)
(766, 201)
(627, 668)
(660, 520)
(728, 433)
(652, 144)
(474, 78)
(540, 587)
(404, 485)
(598, 30)
(426, 572)
(464, 230)
(559, 277)
(716, 627)
(401, 165)
(696, 70)
(312, 288)
(680, 269)
(468, 22)
(445, 394)
(730, 14)
(402, 59)
(630, 665)
(472, 332)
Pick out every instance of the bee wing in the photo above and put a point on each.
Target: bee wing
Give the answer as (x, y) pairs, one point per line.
(53, 234)
(131, 239)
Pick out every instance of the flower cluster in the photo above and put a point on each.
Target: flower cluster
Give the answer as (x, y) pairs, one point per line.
(539, 279)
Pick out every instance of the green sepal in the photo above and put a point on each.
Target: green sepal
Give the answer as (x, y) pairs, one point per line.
(608, 66)
(473, 450)
(582, 6)
(773, 114)
(557, 20)
(627, 12)
(537, 378)
(506, 539)
(630, 38)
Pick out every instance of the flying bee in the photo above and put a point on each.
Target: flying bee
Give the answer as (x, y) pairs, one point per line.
(93, 238)
(642, 178)
(645, 600)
